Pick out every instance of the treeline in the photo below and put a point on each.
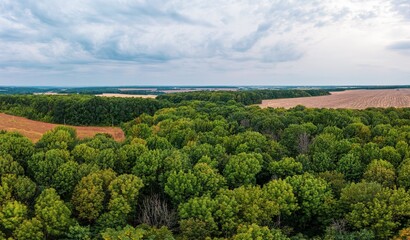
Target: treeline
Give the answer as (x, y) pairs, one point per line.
(92, 110)
(101, 90)
(214, 171)
(246, 97)
(77, 90)
(79, 109)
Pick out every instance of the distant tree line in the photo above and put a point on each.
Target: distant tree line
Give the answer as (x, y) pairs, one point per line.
(79, 109)
(93, 110)
(246, 97)
(78, 90)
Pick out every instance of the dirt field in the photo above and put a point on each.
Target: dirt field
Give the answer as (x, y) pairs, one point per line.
(35, 129)
(125, 95)
(353, 99)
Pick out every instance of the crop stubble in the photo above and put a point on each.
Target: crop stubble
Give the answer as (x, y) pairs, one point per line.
(351, 99)
(35, 129)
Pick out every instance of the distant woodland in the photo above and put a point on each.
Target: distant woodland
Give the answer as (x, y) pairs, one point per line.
(244, 97)
(205, 165)
(79, 109)
(92, 110)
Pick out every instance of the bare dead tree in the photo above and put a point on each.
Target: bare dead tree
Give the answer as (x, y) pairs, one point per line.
(155, 211)
(339, 225)
(303, 143)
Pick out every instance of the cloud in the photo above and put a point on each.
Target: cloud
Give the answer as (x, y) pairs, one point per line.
(403, 45)
(250, 40)
(196, 35)
(402, 7)
(282, 52)
(153, 31)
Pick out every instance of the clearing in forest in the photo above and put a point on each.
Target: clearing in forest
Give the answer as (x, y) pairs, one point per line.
(353, 99)
(35, 129)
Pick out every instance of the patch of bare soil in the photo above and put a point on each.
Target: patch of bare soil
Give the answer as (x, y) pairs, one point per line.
(35, 129)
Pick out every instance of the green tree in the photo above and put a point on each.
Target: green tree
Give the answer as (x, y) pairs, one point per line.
(382, 213)
(141, 131)
(358, 130)
(116, 214)
(197, 151)
(89, 194)
(314, 197)
(153, 233)
(335, 179)
(380, 171)
(281, 192)
(127, 186)
(174, 161)
(252, 205)
(82, 153)
(391, 155)
(359, 192)
(403, 177)
(403, 149)
(12, 214)
(53, 212)
(128, 155)
(9, 166)
(24, 188)
(351, 167)
(209, 179)
(20, 148)
(127, 233)
(156, 142)
(148, 165)
(77, 232)
(30, 230)
(44, 165)
(253, 231)
(372, 206)
(242, 169)
(296, 138)
(336, 233)
(66, 177)
(285, 167)
(197, 217)
(181, 186)
(371, 151)
(61, 137)
(106, 159)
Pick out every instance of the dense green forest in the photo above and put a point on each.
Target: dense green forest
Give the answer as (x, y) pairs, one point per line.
(246, 97)
(92, 110)
(211, 170)
(79, 109)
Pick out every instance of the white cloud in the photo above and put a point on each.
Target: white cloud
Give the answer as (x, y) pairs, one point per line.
(163, 40)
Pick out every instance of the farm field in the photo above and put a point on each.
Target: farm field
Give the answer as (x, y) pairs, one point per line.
(352, 99)
(35, 129)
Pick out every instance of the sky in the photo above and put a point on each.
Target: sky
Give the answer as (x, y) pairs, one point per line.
(204, 42)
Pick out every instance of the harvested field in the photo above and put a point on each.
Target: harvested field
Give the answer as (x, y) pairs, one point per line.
(35, 129)
(352, 99)
(121, 95)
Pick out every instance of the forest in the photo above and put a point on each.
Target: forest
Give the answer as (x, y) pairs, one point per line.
(83, 110)
(86, 110)
(198, 168)
(246, 97)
